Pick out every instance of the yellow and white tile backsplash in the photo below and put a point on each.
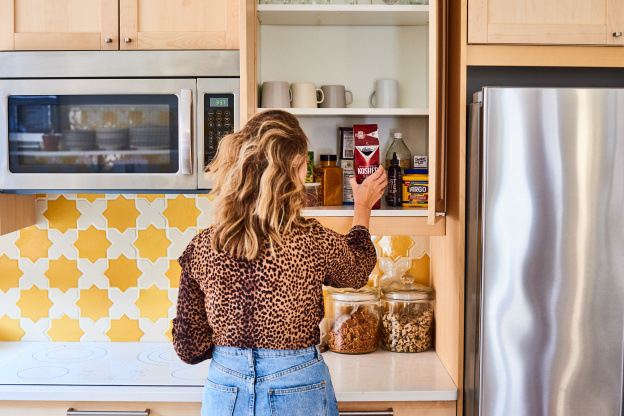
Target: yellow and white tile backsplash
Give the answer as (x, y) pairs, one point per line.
(102, 267)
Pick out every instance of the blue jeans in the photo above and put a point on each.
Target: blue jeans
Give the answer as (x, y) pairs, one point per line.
(258, 382)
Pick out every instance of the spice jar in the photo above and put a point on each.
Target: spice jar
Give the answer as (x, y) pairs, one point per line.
(354, 320)
(407, 316)
(330, 177)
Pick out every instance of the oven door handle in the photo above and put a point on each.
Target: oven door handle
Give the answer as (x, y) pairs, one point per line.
(185, 124)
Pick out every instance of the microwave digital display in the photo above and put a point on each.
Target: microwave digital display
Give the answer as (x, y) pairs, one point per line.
(219, 102)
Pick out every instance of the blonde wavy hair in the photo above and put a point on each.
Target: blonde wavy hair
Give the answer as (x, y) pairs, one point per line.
(259, 194)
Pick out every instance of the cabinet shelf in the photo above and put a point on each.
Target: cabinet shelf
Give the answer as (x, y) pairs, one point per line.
(342, 15)
(392, 112)
(384, 221)
(347, 211)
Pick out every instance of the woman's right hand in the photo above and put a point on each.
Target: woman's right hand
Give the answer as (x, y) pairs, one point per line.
(371, 189)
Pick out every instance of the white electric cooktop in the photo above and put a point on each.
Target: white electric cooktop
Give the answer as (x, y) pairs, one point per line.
(100, 364)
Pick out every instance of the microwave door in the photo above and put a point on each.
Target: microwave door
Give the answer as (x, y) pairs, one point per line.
(98, 134)
(218, 103)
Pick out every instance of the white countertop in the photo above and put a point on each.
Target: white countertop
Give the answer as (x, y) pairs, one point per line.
(137, 372)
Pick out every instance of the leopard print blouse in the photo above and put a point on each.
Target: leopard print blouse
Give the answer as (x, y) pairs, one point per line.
(274, 301)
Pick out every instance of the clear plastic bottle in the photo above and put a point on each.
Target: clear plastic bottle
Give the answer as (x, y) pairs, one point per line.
(402, 152)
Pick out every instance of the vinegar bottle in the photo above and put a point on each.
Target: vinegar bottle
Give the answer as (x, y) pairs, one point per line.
(399, 148)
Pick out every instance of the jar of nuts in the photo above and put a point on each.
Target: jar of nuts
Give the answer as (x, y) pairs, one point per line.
(407, 316)
(354, 316)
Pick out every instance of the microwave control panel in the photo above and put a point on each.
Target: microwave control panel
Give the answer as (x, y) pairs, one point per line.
(218, 121)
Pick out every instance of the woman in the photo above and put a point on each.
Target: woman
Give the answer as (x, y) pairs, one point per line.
(250, 292)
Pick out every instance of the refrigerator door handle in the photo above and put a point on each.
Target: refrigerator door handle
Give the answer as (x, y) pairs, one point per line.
(473, 259)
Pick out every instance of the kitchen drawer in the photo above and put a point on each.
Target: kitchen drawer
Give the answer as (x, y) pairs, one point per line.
(429, 408)
(48, 408)
(12, 408)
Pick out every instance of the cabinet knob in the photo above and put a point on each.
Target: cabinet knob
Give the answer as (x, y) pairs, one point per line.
(127, 40)
(617, 34)
(108, 40)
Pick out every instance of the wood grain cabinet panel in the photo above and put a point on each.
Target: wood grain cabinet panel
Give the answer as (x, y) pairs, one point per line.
(179, 24)
(16, 212)
(565, 22)
(119, 24)
(46, 408)
(59, 25)
(34, 408)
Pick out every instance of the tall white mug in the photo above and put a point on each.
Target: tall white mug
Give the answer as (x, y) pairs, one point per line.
(387, 92)
(305, 95)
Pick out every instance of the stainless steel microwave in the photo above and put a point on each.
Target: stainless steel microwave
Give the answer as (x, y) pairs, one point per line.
(111, 121)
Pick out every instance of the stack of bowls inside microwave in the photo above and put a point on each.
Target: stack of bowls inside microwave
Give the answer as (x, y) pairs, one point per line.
(78, 140)
(112, 138)
(149, 137)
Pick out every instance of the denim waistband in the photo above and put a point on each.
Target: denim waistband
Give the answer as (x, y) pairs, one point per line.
(261, 352)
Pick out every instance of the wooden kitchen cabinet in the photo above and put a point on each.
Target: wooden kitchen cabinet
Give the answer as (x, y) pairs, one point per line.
(429, 408)
(118, 24)
(59, 25)
(354, 45)
(48, 408)
(179, 24)
(565, 22)
(16, 212)
(34, 408)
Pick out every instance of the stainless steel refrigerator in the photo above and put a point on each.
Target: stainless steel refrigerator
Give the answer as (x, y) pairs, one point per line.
(544, 330)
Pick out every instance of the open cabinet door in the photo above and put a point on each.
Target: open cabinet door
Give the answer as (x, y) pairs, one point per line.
(437, 106)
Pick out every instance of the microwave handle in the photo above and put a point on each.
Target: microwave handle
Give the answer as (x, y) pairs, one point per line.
(185, 134)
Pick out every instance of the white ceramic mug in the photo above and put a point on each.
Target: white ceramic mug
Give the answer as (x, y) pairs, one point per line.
(387, 91)
(336, 96)
(305, 95)
(276, 94)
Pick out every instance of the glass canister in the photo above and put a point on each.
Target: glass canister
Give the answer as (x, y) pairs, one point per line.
(312, 194)
(354, 320)
(407, 316)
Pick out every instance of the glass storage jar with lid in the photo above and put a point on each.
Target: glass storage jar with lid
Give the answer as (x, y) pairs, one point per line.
(407, 316)
(354, 317)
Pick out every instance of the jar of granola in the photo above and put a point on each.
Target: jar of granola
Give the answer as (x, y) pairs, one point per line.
(407, 316)
(354, 320)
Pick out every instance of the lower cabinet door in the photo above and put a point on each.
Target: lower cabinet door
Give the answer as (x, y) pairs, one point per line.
(445, 408)
(42, 408)
(32, 408)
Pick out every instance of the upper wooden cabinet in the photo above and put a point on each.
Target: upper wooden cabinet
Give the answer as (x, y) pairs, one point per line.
(114, 25)
(179, 24)
(355, 45)
(59, 25)
(569, 22)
